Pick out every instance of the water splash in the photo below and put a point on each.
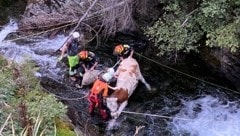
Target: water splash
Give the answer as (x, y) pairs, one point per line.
(208, 116)
(10, 27)
(39, 51)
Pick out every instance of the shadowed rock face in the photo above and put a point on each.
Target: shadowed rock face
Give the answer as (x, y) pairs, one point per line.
(223, 63)
(11, 9)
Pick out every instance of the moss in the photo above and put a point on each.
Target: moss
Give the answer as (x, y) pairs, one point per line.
(64, 128)
(3, 62)
(65, 132)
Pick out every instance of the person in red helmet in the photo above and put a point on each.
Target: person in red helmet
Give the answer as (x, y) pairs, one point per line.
(123, 51)
(98, 94)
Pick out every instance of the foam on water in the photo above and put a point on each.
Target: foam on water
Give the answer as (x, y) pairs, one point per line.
(28, 51)
(207, 116)
(10, 27)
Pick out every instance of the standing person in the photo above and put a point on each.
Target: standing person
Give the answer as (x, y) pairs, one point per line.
(72, 47)
(123, 51)
(98, 94)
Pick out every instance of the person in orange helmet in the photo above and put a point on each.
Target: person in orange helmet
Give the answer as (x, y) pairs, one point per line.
(87, 60)
(123, 51)
(98, 94)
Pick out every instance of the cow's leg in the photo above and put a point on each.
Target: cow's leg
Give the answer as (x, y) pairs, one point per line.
(120, 109)
(141, 78)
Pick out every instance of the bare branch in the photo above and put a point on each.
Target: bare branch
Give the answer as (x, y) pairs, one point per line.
(5, 123)
(138, 128)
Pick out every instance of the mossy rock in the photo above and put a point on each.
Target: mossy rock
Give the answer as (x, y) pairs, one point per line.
(3, 61)
(64, 128)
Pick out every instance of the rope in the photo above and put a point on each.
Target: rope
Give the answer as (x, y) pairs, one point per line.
(116, 63)
(71, 99)
(154, 115)
(161, 116)
(213, 84)
(64, 98)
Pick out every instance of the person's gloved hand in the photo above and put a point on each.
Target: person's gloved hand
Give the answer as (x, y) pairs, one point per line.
(60, 58)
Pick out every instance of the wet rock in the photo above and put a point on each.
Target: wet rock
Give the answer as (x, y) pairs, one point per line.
(223, 63)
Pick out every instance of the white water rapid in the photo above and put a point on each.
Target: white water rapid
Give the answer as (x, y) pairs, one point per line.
(38, 49)
(207, 116)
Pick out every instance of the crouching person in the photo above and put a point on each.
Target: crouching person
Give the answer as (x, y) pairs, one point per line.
(98, 94)
(87, 61)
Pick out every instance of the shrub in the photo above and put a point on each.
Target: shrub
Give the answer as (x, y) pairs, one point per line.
(32, 110)
(184, 24)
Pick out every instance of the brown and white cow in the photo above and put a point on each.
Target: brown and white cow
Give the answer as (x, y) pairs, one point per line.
(128, 74)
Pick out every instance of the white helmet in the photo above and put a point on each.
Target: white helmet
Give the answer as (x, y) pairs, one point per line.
(108, 75)
(76, 35)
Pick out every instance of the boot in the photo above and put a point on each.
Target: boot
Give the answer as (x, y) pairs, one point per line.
(73, 78)
(78, 82)
(104, 114)
(91, 109)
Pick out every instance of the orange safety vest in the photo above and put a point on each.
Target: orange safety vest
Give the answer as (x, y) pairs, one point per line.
(98, 86)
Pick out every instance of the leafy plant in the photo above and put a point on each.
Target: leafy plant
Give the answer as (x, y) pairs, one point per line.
(184, 24)
(225, 37)
(32, 110)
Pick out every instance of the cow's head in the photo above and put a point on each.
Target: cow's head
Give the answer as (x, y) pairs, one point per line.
(112, 104)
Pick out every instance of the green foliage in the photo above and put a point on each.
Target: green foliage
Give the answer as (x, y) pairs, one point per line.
(220, 20)
(225, 37)
(47, 107)
(38, 102)
(64, 128)
(22, 96)
(184, 24)
(173, 35)
(213, 14)
(4, 3)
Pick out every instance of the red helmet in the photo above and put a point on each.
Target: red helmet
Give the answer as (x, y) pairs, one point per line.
(83, 54)
(118, 49)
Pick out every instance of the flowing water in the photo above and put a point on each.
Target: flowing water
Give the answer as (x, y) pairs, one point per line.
(36, 49)
(177, 106)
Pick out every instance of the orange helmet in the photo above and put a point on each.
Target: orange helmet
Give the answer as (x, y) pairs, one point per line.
(83, 54)
(118, 49)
